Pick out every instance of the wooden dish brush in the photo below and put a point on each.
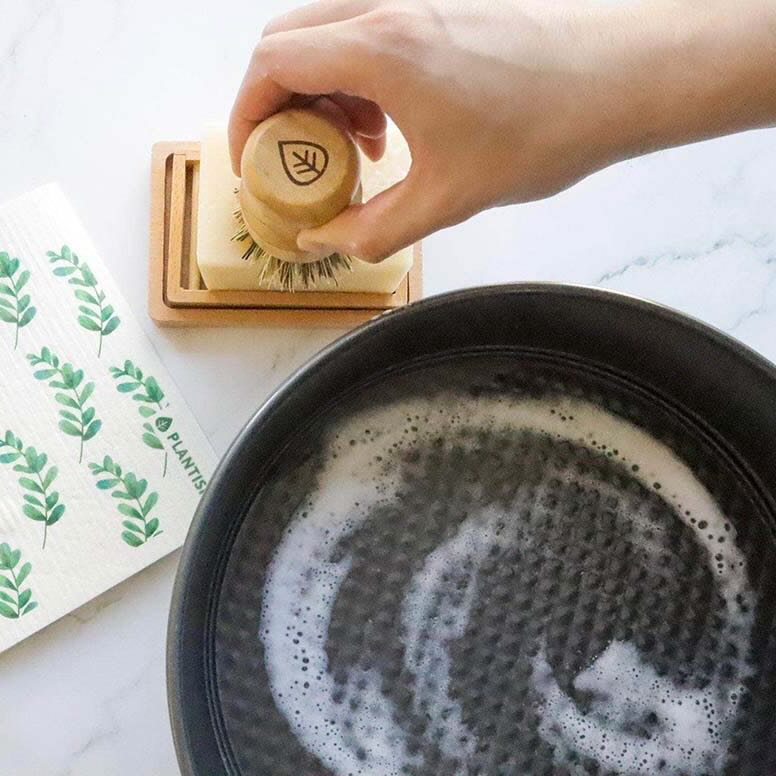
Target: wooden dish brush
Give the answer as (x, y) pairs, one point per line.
(298, 171)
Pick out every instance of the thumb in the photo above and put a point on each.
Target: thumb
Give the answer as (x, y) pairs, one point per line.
(391, 220)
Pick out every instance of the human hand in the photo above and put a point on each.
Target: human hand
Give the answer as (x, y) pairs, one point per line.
(501, 101)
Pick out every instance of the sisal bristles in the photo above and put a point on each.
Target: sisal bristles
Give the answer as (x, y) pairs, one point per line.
(289, 275)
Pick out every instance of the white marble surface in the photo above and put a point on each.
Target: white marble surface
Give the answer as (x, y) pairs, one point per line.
(86, 86)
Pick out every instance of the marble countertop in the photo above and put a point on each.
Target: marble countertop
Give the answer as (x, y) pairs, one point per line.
(86, 87)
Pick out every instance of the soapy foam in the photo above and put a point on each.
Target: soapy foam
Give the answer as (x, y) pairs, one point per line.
(351, 725)
(435, 613)
(638, 722)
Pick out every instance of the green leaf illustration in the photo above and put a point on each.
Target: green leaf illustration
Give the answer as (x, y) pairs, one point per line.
(96, 316)
(151, 439)
(15, 307)
(149, 396)
(129, 491)
(163, 424)
(17, 602)
(76, 420)
(40, 502)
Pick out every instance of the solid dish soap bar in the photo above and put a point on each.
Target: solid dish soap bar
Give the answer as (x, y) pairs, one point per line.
(220, 258)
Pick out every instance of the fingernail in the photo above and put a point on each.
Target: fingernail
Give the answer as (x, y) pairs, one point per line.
(311, 245)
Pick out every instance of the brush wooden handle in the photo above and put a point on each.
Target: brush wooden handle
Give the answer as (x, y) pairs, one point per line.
(299, 170)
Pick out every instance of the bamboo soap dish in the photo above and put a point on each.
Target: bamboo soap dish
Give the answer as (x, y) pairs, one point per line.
(178, 295)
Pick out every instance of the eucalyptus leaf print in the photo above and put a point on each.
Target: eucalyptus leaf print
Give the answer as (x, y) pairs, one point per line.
(135, 505)
(149, 396)
(41, 503)
(15, 601)
(15, 306)
(95, 315)
(76, 418)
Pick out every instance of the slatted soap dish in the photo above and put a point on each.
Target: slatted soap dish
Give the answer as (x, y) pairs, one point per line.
(177, 294)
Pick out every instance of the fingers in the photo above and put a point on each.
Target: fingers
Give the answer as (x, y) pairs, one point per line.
(373, 147)
(367, 117)
(258, 98)
(321, 60)
(394, 219)
(367, 123)
(360, 118)
(311, 61)
(316, 14)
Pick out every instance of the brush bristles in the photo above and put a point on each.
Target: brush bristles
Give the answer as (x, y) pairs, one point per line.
(288, 274)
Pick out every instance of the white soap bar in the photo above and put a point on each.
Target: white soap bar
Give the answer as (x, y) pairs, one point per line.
(220, 258)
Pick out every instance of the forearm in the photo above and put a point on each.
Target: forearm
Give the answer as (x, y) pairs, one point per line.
(507, 101)
(687, 70)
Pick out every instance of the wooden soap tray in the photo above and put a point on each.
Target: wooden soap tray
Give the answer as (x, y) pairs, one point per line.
(177, 295)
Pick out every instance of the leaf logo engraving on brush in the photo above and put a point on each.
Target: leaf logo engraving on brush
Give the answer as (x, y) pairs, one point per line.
(15, 307)
(14, 602)
(96, 316)
(150, 397)
(77, 420)
(139, 526)
(303, 162)
(40, 502)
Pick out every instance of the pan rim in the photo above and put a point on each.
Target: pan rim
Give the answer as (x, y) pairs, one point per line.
(183, 709)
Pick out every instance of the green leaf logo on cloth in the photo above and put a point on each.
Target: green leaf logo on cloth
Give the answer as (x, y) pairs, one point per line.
(40, 502)
(14, 602)
(77, 420)
(135, 505)
(96, 316)
(15, 307)
(149, 395)
(163, 424)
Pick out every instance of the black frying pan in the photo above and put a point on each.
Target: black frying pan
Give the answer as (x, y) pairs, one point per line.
(536, 631)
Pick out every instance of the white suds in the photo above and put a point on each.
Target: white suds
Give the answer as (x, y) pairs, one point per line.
(637, 722)
(436, 612)
(679, 730)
